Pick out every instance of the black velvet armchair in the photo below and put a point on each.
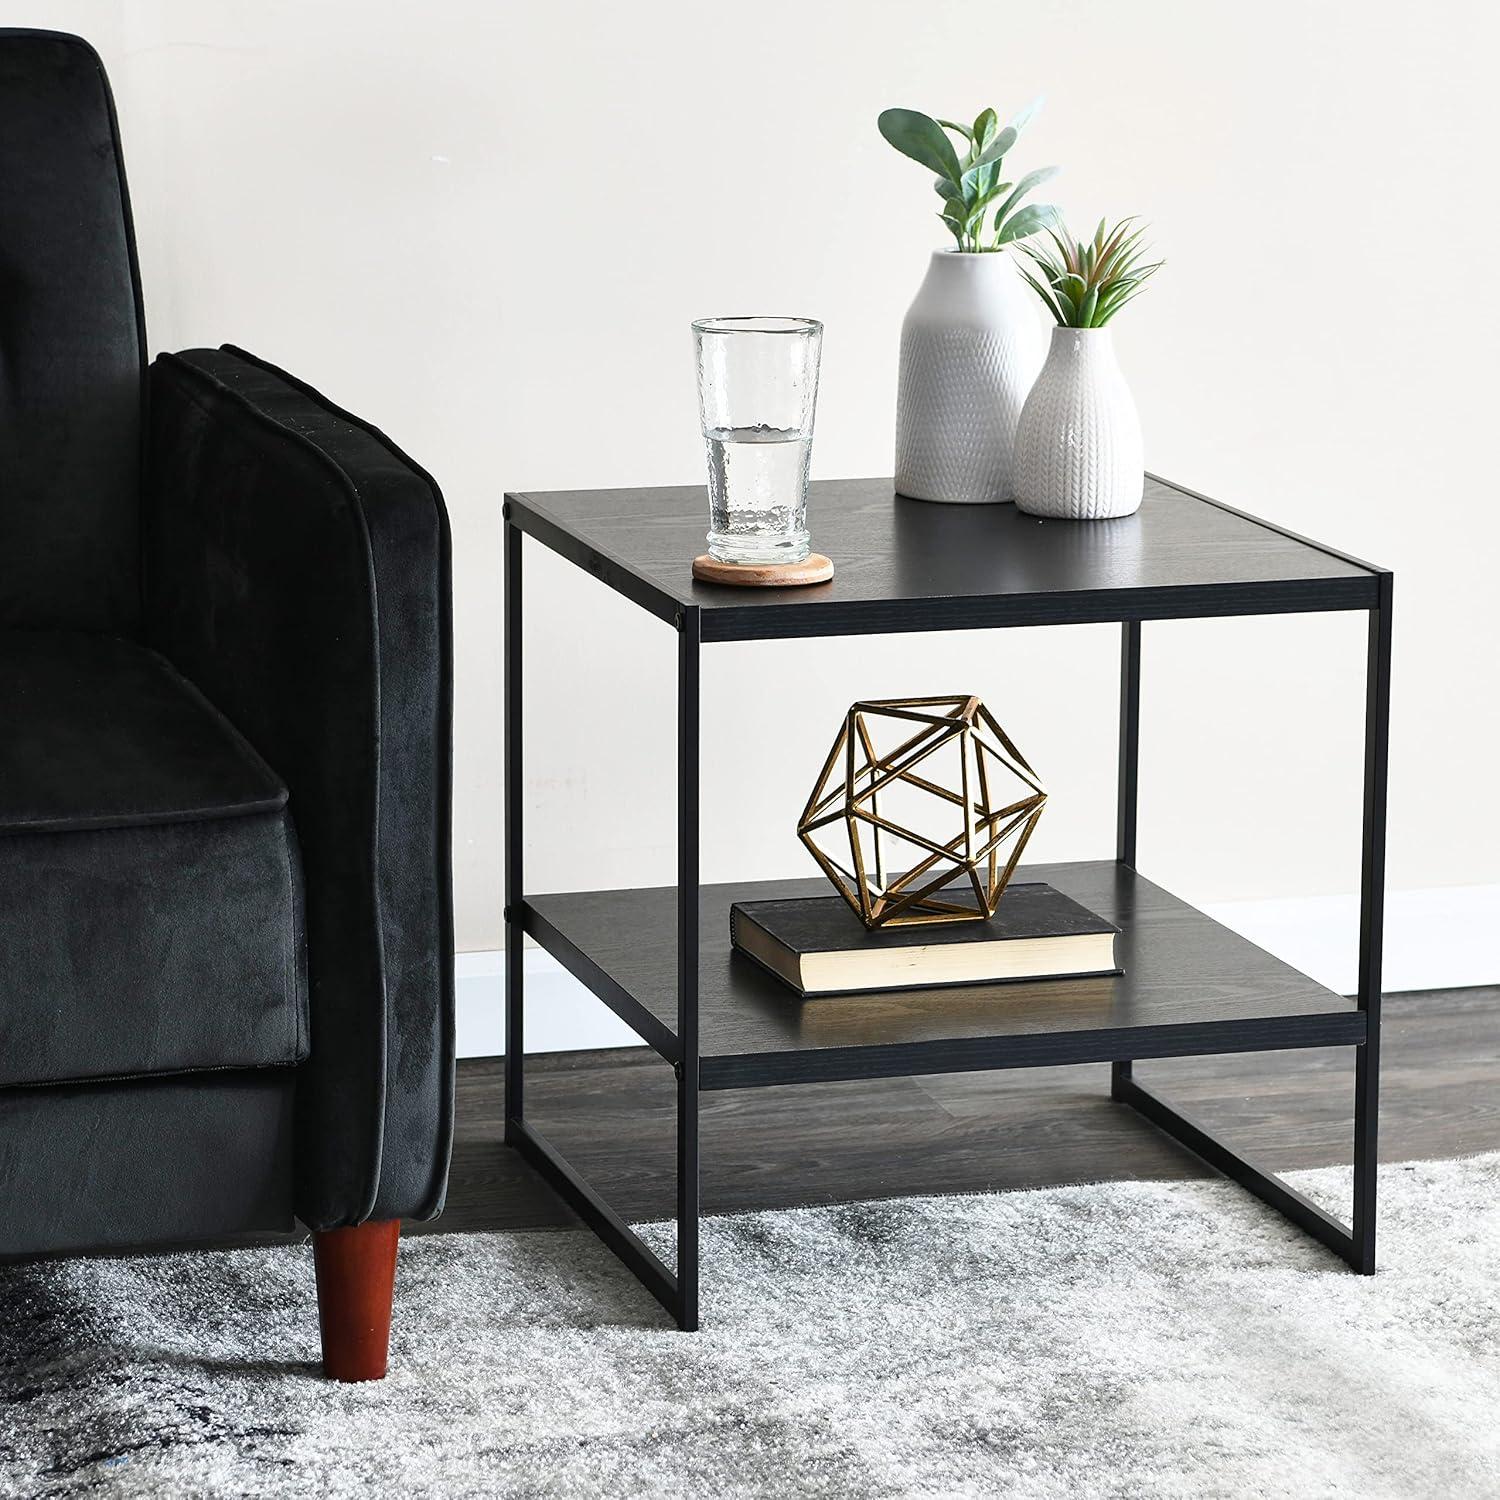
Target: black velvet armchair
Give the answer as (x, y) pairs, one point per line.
(225, 700)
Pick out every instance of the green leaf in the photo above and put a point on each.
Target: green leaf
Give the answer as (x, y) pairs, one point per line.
(942, 187)
(963, 130)
(997, 148)
(1030, 220)
(1026, 116)
(1044, 293)
(1051, 272)
(1024, 186)
(1128, 251)
(1115, 296)
(1119, 241)
(985, 127)
(1124, 292)
(1101, 319)
(1086, 308)
(920, 137)
(982, 200)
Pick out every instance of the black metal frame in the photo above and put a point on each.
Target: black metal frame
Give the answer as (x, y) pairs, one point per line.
(677, 1289)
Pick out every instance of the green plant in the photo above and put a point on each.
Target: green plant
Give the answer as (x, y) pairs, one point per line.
(1087, 284)
(970, 184)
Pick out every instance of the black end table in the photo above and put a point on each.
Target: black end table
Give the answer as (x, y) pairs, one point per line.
(661, 959)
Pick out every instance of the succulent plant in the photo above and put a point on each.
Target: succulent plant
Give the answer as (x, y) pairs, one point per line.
(1085, 285)
(970, 184)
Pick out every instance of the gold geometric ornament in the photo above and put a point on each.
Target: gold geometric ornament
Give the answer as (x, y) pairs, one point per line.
(921, 811)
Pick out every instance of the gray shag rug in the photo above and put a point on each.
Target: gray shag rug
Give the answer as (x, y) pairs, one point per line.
(1161, 1339)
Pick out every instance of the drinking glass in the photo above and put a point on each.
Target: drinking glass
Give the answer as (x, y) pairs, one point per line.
(757, 390)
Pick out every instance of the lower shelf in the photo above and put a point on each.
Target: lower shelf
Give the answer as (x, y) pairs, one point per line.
(1190, 986)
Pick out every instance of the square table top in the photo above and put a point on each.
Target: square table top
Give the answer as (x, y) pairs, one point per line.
(905, 564)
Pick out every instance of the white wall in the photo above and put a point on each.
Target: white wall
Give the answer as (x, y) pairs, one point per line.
(487, 226)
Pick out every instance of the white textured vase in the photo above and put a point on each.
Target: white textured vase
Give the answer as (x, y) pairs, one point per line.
(970, 347)
(1078, 446)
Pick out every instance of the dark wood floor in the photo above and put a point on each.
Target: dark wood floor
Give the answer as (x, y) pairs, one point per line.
(612, 1114)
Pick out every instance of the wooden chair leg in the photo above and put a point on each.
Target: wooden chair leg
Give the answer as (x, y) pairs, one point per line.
(356, 1270)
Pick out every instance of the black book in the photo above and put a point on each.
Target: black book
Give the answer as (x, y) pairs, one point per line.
(819, 947)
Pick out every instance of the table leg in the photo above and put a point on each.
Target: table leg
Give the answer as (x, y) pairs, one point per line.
(1129, 766)
(689, 650)
(1371, 926)
(677, 1293)
(1355, 1244)
(515, 1069)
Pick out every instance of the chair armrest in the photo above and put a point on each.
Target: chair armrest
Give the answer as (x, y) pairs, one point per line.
(298, 570)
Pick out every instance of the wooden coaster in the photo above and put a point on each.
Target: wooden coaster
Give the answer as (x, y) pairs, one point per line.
(814, 568)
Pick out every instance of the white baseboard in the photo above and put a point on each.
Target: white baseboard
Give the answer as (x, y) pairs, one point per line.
(1434, 940)
(561, 1015)
(1444, 939)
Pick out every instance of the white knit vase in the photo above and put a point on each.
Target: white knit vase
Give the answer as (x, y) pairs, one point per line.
(971, 345)
(1078, 445)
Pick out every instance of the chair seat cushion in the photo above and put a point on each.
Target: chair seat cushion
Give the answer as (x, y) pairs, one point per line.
(150, 883)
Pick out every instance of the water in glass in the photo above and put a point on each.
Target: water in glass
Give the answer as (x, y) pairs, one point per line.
(757, 493)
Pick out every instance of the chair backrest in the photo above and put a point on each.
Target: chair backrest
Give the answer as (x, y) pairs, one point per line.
(72, 345)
